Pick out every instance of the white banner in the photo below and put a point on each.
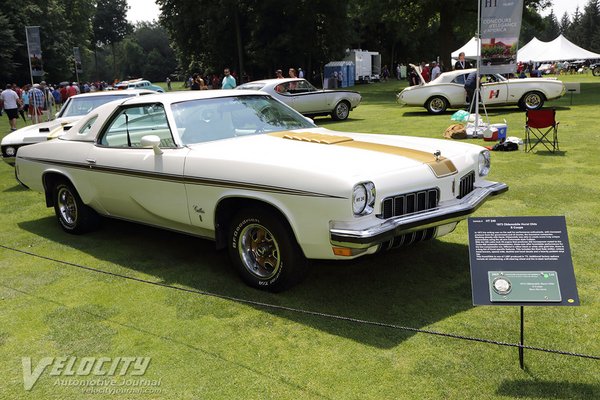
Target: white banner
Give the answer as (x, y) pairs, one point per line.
(500, 29)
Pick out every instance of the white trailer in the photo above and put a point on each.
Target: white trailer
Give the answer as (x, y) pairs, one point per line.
(367, 64)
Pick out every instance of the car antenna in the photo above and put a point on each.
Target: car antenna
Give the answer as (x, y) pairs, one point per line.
(127, 129)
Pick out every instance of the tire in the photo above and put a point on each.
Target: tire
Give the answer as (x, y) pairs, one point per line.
(531, 101)
(72, 214)
(436, 105)
(264, 251)
(596, 71)
(341, 111)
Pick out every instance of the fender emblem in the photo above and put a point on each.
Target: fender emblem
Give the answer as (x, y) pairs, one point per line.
(199, 210)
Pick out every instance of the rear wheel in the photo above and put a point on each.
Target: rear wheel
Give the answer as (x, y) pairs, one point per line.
(72, 214)
(531, 101)
(264, 251)
(436, 105)
(341, 111)
(596, 71)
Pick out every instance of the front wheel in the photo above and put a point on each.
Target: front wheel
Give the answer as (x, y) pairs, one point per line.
(264, 251)
(436, 105)
(596, 71)
(532, 101)
(72, 214)
(341, 111)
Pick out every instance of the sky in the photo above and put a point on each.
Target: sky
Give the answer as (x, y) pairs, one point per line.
(142, 10)
(147, 10)
(560, 6)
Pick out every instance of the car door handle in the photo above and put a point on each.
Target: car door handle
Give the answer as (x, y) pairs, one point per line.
(90, 160)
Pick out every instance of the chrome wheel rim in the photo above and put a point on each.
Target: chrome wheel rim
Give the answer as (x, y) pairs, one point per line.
(67, 206)
(533, 100)
(342, 110)
(437, 105)
(259, 251)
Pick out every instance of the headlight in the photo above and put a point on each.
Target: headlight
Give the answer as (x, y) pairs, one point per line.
(10, 151)
(484, 163)
(363, 198)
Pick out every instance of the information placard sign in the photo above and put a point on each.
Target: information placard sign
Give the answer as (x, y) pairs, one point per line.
(521, 261)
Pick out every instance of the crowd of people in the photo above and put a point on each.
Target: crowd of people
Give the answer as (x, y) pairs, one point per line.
(33, 101)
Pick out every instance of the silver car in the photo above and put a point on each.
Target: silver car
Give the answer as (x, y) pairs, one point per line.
(303, 97)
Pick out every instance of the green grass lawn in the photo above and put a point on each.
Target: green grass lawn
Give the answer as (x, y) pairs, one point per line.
(204, 347)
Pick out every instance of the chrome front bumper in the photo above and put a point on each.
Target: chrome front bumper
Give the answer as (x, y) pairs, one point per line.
(449, 212)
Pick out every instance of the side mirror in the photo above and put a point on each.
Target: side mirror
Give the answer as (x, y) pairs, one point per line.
(151, 141)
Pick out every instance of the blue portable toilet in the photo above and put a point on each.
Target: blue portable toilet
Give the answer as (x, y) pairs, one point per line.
(334, 68)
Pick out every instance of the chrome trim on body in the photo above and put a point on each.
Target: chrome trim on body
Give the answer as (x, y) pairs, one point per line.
(447, 212)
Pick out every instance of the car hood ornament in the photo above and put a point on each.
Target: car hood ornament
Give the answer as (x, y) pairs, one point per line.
(437, 154)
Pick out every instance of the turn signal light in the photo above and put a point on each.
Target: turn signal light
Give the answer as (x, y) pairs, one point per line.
(342, 251)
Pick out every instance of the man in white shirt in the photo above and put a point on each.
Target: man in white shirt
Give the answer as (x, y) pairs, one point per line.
(435, 71)
(10, 102)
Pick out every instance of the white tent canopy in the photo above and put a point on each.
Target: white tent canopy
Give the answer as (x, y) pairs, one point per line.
(470, 50)
(556, 50)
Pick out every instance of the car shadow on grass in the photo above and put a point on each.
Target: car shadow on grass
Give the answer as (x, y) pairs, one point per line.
(413, 287)
(15, 188)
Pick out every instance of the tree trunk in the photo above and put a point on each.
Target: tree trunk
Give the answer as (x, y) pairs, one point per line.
(238, 36)
(112, 45)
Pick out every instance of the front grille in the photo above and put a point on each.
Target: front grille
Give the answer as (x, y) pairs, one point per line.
(408, 239)
(408, 203)
(467, 184)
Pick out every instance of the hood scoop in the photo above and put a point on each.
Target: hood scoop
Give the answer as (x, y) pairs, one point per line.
(439, 165)
(312, 137)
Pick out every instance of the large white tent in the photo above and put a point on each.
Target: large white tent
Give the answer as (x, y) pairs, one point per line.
(470, 50)
(537, 51)
(558, 49)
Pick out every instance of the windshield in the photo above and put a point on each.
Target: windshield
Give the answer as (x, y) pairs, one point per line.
(78, 106)
(206, 120)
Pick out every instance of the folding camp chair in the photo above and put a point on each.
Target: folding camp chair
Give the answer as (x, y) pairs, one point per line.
(541, 127)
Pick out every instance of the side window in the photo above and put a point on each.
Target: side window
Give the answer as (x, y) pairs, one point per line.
(282, 88)
(88, 125)
(130, 124)
(460, 79)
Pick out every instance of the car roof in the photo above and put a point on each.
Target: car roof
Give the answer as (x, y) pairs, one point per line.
(165, 98)
(275, 80)
(114, 92)
(176, 97)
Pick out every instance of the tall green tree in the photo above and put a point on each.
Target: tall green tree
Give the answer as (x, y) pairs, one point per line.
(590, 21)
(565, 23)
(256, 35)
(110, 25)
(551, 28)
(7, 50)
(575, 33)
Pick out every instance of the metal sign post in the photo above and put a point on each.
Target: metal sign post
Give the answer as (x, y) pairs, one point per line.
(521, 261)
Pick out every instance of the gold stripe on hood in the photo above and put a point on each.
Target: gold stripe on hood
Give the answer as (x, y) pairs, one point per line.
(440, 166)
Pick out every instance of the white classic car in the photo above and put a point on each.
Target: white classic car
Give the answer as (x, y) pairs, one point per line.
(447, 91)
(306, 99)
(74, 109)
(252, 174)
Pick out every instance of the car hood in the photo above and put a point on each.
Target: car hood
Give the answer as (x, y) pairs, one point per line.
(38, 132)
(320, 152)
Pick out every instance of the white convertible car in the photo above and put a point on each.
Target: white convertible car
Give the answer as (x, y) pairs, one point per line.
(258, 178)
(448, 91)
(306, 99)
(74, 108)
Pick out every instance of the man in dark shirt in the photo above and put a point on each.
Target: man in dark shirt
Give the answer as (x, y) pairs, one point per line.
(470, 86)
(462, 63)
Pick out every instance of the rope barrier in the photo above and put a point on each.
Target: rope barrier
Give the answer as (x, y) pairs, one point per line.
(307, 312)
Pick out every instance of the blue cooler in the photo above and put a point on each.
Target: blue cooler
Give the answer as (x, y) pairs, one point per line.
(502, 130)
